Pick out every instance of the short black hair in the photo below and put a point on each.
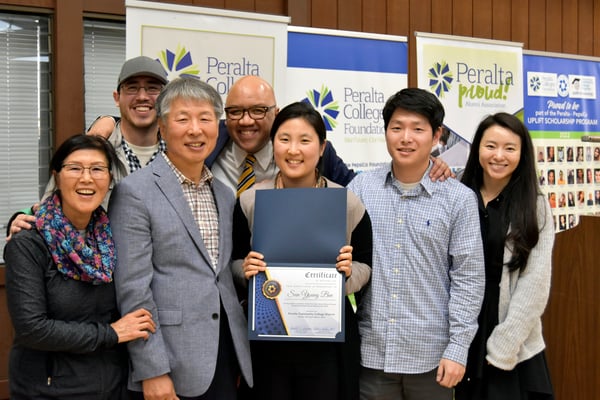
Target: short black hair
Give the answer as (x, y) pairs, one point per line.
(416, 100)
(83, 142)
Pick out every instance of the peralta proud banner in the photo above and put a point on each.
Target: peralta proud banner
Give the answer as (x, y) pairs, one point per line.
(471, 77)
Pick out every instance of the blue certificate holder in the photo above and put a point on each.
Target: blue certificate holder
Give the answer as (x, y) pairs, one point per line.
(301, 294)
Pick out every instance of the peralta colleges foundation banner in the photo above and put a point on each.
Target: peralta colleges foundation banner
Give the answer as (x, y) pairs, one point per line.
(347, 77)
(472, 78)
(216, 46)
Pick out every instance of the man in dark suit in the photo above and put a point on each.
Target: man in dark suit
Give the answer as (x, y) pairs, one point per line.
(172, 228)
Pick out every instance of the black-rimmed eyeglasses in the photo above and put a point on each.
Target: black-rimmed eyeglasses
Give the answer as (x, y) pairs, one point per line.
(256, 112)
(151, 90)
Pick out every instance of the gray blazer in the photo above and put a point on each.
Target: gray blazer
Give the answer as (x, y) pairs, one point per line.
(164, 267)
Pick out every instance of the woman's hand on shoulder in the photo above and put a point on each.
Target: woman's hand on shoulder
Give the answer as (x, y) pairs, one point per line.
(135, 325)
(344, 261)
(440, 170)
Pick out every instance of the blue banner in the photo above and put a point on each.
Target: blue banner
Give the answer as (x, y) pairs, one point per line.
(561, 94)
(562, 115)
(347, 53)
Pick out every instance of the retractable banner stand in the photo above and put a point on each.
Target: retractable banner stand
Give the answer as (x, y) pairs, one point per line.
(215, 45)
(562, 115)
(347, 77)
(472, 78)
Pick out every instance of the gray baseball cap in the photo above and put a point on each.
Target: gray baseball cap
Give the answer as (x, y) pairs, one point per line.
(142, 66)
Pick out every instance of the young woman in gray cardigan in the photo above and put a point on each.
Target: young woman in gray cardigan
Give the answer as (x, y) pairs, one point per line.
(506, 359)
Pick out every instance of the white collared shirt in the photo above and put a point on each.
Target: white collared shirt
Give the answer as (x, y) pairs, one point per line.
(230, 163)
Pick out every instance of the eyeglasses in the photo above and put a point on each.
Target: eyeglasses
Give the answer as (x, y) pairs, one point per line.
(255, 112)
(76, 170)
(152, 90)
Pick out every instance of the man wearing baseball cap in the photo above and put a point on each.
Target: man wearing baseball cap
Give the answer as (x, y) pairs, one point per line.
(135, 135)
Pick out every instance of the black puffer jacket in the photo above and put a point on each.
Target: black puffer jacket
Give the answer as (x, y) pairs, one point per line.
(64, 346)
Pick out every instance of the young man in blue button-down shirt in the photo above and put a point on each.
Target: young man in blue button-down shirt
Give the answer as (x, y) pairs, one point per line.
(419, 315)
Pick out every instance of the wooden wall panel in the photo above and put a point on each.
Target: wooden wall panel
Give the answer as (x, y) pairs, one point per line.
(585, 27)
(563, 26)
(420, 21)
(482, 19)
(462, 17)
(441, 17)
(350, 15)
(278, 7)
(596, 30)
(519, 18)
(537, 25)
(569, 22)
(419, 12)
(553, 24)
(105, 7)
(300, 12)
(203, 3)
(501, 25)
(571, 322)
(397, 18)
(324, 14)
(374, 17)
(68, 83)
(7, 4)
(240, 5)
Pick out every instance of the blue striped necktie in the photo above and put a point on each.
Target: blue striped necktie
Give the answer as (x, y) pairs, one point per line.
(247, 178)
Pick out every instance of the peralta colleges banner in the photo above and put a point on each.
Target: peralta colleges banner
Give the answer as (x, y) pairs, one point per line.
(562, 115)
(347, 77)
(217, 46)
(472, 78)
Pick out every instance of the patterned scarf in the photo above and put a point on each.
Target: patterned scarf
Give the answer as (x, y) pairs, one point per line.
(89, 258)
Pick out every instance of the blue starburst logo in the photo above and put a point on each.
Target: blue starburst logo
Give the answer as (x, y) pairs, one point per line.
(324, 103)
(535, 83)
(178, 63)
(440, 78)
(563, 85)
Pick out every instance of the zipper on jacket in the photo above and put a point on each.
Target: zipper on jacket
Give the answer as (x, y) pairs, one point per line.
(49, 368)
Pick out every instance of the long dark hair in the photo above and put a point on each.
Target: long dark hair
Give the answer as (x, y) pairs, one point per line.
(522, 190)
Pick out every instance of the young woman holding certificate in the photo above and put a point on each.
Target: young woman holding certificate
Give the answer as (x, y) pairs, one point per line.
(305, 369)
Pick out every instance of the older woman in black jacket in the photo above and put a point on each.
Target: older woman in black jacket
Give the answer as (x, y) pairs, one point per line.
(60, 290)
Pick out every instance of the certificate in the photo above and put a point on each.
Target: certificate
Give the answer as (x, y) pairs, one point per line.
(301, 294)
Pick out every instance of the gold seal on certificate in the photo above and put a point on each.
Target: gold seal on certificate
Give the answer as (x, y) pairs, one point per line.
(271, 289)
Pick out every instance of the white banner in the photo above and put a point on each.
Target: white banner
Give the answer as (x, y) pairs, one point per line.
(217, 46)
(472, 78)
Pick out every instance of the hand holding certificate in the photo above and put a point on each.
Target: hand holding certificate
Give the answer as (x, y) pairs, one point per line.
(300, 295)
